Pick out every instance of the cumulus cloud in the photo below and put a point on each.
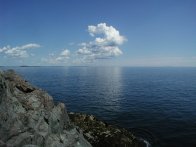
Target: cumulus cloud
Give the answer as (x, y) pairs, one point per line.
(65, 53)
(18, 51)
(105, 45)
(60, 58)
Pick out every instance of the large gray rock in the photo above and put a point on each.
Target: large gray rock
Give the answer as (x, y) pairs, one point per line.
(29, 118)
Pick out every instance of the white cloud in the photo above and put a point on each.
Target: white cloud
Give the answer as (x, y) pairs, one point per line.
(61, 58)
(106, 45)
(18, 51)
(111, 36)
(65, 53)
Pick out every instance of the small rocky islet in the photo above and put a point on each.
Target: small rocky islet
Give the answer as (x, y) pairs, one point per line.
(30, 118)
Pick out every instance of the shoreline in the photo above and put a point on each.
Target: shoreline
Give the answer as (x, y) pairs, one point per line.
(100, 133)
(30, 116)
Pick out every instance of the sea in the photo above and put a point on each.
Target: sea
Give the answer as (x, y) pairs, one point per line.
(157, 104)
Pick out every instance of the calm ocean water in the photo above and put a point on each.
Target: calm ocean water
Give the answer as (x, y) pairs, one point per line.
(158, 104)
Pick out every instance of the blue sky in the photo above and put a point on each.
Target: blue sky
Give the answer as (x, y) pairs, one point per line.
(101, 32)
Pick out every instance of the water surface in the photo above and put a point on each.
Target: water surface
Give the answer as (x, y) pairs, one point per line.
(156, 103)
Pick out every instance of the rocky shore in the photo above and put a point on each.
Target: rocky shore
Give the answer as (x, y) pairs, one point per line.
(101, 134)
(29, 118)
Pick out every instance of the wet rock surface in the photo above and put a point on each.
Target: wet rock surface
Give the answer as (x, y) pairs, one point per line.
(100, 134)
(29, 117)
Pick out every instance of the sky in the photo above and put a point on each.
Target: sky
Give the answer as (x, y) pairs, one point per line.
(98, 32)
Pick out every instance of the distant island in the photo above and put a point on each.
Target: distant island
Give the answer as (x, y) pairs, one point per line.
(28, 66)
